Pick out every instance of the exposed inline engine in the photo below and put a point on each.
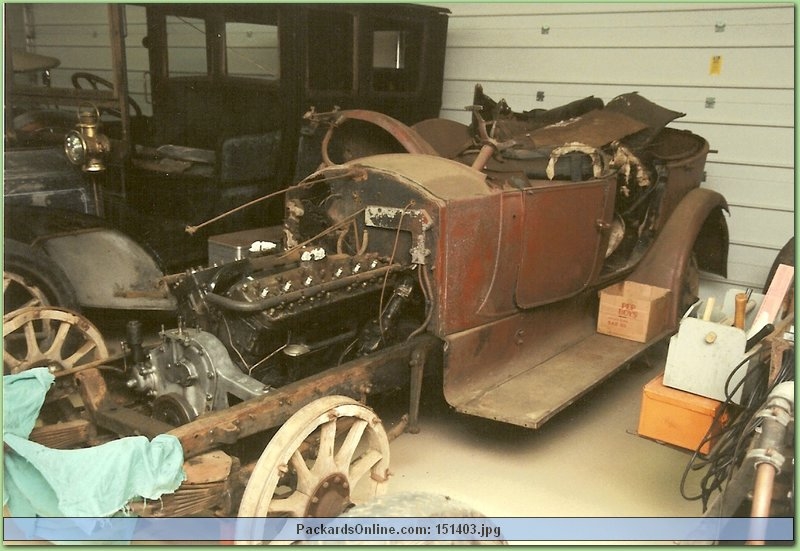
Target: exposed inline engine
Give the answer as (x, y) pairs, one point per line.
(255, 324)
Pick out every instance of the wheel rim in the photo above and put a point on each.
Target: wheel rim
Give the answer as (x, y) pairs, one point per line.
(49, 337)
(330, 454)
(19, 293)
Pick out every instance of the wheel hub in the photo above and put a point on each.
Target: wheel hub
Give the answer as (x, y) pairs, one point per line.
(330, 498)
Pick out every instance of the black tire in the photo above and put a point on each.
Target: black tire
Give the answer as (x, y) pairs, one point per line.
(37, 271)
(413, 504)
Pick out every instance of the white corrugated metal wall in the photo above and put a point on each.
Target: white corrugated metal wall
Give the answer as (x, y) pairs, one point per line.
(729, 67)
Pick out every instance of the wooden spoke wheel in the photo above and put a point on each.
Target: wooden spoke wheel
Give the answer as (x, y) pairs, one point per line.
(20, 293)
(49, 337)
(329, 455)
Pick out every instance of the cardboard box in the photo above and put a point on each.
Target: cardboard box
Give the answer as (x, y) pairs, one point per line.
(633, 311)
(676, 417)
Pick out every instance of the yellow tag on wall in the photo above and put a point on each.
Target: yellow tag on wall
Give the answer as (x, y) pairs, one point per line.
(716, 65)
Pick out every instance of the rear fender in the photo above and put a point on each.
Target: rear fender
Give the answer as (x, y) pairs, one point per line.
(697, 225)
(108, 269)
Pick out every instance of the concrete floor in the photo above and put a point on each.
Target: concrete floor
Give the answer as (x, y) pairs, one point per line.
(586, 461)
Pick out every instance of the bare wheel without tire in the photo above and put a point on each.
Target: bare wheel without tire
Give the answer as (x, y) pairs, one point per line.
(31, 278)
(329, 455)
(49, 337)
(20, 293)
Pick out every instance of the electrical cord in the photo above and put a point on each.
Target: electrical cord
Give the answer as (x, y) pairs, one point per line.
(729, 438)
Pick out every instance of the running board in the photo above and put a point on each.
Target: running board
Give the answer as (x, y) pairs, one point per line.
(532, 396)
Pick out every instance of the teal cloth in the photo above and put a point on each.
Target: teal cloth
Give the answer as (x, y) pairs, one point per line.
(90, 482)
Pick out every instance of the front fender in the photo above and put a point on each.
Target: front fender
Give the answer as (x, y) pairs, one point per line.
(697, 225)
(108, 269)
(105, 267)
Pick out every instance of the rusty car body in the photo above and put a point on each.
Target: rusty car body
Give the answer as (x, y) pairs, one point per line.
(473, 261)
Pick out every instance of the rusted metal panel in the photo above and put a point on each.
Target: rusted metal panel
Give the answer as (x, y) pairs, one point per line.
(643, 110)
(499, 299)
(442, 178)
(684, 156)
(405, 135)
(527, 367)
(595, 129)
(665, 262)
(483, 280)
(481, 358)
(448, 138)
(534, 395)
(469, 261)
(564, 238)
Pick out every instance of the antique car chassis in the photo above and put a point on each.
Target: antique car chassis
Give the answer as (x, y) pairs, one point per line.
(216, 481)
(479, 262)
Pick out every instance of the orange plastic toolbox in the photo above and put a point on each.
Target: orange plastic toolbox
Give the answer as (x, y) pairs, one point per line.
(676, 417)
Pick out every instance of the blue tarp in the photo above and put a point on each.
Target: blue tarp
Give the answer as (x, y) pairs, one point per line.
(90, 482)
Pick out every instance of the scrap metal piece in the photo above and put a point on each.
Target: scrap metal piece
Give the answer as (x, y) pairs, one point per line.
(643, 110)
(595, 129)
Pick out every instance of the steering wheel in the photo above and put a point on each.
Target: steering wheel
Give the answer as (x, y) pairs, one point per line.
(97, 83)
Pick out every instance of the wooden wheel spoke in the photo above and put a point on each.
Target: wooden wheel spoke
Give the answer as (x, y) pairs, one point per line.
(41, 336)
(329, 486)
(30, 341)
(327, 440)
(19, 294)
(59, 339)
(363, 465)
(87, 347)
(345, 454)
(305, 479)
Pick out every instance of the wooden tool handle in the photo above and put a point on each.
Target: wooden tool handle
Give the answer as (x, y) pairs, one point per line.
(740, 311)
(709, 308)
